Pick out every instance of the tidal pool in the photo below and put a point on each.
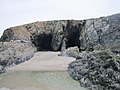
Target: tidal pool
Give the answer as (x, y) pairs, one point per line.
(57, 80)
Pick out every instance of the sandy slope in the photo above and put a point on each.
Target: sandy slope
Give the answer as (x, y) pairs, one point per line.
(44, 61)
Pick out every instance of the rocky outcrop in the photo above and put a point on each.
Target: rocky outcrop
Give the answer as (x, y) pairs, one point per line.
(101, 32)
(70, 52)
(45, 35)
(98, 70)
(87, 35)
(91, 34)
(15, 52)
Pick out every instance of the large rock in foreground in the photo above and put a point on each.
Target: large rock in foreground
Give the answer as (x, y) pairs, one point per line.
(15, 52)
(97, 71)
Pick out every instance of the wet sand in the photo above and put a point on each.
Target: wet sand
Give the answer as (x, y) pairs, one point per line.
(48, 80)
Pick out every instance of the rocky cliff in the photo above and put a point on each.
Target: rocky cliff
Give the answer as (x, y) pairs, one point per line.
(15, 52)
(94, 70)
(90, 34)
(86, 34)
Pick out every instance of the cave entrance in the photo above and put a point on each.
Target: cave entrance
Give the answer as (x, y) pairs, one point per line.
(43, 42)
(72, 34)
(73, 39)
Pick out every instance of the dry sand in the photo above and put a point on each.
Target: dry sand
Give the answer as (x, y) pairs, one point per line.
(44, 61)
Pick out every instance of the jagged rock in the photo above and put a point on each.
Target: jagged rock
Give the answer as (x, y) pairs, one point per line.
(102, 32)
(12, 53)
(87, 35)
(45, 35)
(71, 52)
(98, 70)
(57, 40)
(2, 69)
(15, 33)
(91, 34)
(63, 48)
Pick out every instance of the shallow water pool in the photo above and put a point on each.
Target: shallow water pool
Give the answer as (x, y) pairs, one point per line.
(57, 80)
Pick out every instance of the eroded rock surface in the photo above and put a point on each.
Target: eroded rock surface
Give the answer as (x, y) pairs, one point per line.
(15, 52)
(88, 34)
(58, 35)
(71, 52)
(98, 70)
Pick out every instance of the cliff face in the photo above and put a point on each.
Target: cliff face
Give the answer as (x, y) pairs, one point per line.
(91, 34)
(86, 34)
(15, 52)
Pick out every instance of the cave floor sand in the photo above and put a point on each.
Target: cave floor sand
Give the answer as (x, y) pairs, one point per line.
(44, 61)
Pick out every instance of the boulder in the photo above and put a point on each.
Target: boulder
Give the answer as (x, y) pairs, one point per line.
(71, 52)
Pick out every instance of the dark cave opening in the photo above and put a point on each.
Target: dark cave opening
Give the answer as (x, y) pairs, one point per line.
(43, 42)
(47, 42)
(72, 34)
(73, 39)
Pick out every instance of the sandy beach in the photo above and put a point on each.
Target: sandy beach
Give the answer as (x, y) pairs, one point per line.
(44, 61)
(45, 71)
